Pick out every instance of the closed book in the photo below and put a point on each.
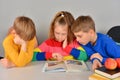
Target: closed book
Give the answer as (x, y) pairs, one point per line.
(100, 77)
(108, 73)
(97, 77)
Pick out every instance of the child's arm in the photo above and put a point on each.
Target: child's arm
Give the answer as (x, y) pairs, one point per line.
(36, 42)
(41, 56)
(96, 59)
(6, 63)
(38, 55)
(96, 55)
(42, 52)
(78, 53)
(96, 64)
(111, 49)
(20, 57)
(64, 43)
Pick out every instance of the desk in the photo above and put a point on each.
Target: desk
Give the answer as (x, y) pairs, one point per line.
(33, 71)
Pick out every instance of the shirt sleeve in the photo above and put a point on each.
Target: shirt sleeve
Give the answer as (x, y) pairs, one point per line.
(78, 53)
(112, 50)
(16, 55)
(40, 53)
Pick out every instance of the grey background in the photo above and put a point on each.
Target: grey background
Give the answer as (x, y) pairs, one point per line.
(106, 13)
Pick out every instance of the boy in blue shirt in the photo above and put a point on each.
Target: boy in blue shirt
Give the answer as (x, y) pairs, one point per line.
(98, 46)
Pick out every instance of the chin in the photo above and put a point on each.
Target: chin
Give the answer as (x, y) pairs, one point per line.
(82, 43)
(60, 41)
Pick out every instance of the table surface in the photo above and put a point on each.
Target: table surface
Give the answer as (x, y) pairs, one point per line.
(33, 71)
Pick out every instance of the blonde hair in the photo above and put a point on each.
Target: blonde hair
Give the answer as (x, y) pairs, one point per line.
(83, 23)
(24, 27)
(63, 18)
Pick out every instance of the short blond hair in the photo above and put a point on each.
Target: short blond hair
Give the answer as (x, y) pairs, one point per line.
(24, 27)
(83, 23)
(63, 18)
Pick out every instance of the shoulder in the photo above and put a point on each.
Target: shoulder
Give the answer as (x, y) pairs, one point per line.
(103, 38)
(33, 40)
(8, 39)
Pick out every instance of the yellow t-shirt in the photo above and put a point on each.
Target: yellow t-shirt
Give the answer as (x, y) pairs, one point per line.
(14, 53)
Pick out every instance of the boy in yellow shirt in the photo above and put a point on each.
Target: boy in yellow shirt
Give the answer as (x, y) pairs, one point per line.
(19, 43)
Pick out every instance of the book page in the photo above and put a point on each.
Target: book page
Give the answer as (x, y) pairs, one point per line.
(54, 66)
(75, 66)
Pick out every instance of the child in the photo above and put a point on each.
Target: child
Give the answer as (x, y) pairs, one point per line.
(19, 43)
(101, 45)
(60, 42)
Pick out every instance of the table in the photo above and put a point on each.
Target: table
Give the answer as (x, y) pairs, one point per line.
(33, 71)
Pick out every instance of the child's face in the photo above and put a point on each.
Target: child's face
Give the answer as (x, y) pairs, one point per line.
(60, 32)
(83, 37)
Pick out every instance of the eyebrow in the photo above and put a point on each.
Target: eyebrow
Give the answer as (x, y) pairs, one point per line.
(79, 35)
(62, 33)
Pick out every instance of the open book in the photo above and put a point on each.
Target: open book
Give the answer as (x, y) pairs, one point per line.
(65, 66)
(108, 73)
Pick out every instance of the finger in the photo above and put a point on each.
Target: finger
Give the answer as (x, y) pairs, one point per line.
(93, 67)
(100, 65)
(55, 56)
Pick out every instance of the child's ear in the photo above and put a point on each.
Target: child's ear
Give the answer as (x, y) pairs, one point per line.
(91, 32)
(13, 31)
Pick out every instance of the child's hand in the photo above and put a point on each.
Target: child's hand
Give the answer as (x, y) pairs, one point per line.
(57, 56)
(96, 64)
(6, 63)
(97, 55)
(19, 41)
(64, 43)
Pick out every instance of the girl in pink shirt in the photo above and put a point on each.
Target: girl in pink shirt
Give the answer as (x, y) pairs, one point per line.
(61, 40)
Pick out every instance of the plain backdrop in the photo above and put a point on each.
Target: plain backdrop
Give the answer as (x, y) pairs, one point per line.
(106, 13)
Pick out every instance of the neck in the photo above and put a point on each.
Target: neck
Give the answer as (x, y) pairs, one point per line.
(94, 39)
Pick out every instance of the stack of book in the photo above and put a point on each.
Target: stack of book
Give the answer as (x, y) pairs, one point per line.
(102, 73)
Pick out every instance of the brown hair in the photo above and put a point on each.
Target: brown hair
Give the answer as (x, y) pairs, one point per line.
(83, 23)
(24, 27)
(63, 18)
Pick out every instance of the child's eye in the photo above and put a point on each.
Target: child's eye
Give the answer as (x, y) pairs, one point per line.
(57, 33)
(64, 34)
(79, 36)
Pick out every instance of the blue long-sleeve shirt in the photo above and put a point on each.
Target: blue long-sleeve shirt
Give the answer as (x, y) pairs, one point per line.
(105, 46)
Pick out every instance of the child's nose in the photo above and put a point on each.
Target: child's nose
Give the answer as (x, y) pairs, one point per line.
(78, 39)
(60, 36)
